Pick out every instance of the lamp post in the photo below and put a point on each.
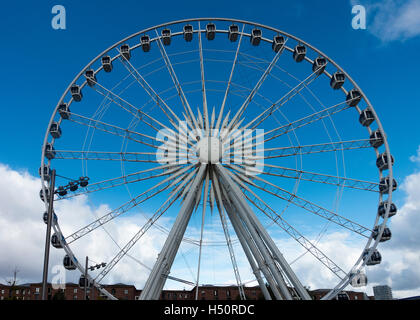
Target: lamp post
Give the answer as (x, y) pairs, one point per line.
(48, 234)
(86, 276)
(62, 191)
(86, 283)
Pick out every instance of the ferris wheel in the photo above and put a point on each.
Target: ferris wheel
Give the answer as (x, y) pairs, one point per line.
(227, 119)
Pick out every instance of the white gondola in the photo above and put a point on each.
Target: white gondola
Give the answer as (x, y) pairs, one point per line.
(61, 191)
(83, 181)
(57, 241)
(125, 51)
(376, 139)
(366, 117)
(210, 31)
(384, 185)
(45, 217)
(68, 263)
(358, 279)
(337, 80)
(166, 37)
(383, 207)
(73, 186)
(319, 65)
(64, 110)
(76, 92)
(353, 97)
(278, 43)
(84, 282)
(90, 77)
(256, 35)
(107, 63)
(49, 151)
(145, 43)
(55, 130)
(250, 162)
(188, 32)
(233, 32)
(47, 193)
(299, 53)
(386, 234)
(382, 161)
(45, 171)
(374, 259)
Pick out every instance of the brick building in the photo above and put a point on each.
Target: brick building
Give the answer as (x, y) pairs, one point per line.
(17, 292)
(122, 291)
(209, 292)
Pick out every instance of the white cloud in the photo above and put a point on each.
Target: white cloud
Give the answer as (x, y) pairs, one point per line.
(392, 20)
(403, 269)
(416, 158)
(22, 235)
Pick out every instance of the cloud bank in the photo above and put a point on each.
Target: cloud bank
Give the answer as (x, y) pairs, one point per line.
(22, 235)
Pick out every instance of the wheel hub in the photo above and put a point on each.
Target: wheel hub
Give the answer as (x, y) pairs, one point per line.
(209, 150)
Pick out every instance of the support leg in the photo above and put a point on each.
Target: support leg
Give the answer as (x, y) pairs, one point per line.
(254, 239)
(161, 269)
(248, 253)
(237, 197)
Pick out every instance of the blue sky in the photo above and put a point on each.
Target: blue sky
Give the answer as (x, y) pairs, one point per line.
(39, 62)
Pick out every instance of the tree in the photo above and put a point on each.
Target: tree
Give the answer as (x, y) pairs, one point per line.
(12, 282)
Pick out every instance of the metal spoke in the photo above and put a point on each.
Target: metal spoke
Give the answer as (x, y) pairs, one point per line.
(123, 180)
(319, 148)
(126, 156)
(279, 152)
(138, 113)
(106, 156)
(322, 178)
(146, 266)
(126, 133)
(307, 205)
(175, 80)
(254, 91)
(200, 119)
(112, 129)
(316, 116)
(150, 91)
(203, 82)
(123, 104)
(128, 205)
(222, 108)
(163, 208)
(295, 234)
(283, 100)
(284, 172)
